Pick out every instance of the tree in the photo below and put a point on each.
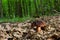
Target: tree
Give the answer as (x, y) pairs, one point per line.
(18, 8)
(1, 11)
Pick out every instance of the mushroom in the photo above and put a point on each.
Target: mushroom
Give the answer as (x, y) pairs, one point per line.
(39, 25)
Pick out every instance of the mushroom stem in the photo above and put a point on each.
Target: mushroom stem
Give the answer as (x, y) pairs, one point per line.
(38, 29)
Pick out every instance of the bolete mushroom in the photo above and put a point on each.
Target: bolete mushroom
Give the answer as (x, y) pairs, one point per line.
(39, 25)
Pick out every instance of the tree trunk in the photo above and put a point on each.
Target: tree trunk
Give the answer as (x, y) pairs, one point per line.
(1, 11)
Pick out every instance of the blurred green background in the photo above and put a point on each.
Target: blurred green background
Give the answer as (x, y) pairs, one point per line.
(20, 10)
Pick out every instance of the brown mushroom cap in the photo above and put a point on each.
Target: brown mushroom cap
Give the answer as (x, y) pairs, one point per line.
(38, 24)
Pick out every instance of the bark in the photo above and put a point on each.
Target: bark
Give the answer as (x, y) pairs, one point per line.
(1, 10)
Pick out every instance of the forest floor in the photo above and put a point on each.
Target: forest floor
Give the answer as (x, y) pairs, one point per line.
(22, 31)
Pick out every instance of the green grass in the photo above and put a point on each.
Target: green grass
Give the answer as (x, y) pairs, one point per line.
(17, 19)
